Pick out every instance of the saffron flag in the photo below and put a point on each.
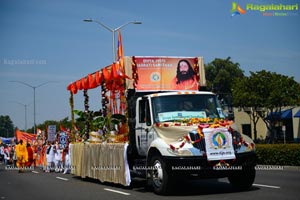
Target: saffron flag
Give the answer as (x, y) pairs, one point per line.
(99, 77)
(26, 137)
(62, 128)
(120, 56)
(79, 85)
(106, 74)
(114, 71)
(120, 71)
(92, 81)
(120, 46)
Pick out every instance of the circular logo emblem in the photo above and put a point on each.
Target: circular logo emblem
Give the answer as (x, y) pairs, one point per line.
(218, 139)
(155, 76)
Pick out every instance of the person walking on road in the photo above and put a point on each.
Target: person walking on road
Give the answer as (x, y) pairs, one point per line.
(50, 152)
(30, 156)
(22, 155)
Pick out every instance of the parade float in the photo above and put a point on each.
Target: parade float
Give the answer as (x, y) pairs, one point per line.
(152, 125)
(156, 121)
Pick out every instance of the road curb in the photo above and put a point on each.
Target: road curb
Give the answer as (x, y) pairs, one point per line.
(296, 168)
(277, 167)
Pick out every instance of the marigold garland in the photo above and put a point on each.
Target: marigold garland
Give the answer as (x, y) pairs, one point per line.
(71, 101)
(135, 75)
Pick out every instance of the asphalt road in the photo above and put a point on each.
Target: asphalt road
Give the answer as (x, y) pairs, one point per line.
(270, 184)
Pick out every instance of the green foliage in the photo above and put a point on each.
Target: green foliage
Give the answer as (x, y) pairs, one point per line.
(221, 73)
(6, 126)
(264, 93)
(266, 89)
(97, 121)
(278, 154)
(94, 119)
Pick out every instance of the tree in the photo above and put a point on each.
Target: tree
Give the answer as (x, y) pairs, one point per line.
(220, 75)
(6, 126)
(266, 94)
(246, 99)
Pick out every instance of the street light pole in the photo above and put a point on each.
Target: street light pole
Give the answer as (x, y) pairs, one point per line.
(25, 107)
(112, 31)
(34, 109)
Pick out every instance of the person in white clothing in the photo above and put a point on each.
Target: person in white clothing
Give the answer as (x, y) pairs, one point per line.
(6, 156)
(50, 156)
(67, 161)
(58, 159)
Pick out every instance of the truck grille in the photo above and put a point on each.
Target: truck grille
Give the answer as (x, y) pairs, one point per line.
(199, 142)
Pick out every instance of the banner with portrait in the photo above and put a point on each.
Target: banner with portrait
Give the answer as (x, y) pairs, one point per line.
(167, 73)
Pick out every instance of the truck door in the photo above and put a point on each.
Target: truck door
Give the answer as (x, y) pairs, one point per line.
(143, 125)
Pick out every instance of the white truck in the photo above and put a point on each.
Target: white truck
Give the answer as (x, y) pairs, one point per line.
(162, 150)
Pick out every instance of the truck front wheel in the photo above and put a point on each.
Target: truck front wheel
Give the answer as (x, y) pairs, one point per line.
(242, 180)
(160, 178)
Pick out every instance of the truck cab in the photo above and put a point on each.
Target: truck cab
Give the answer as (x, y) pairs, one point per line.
(186, 134)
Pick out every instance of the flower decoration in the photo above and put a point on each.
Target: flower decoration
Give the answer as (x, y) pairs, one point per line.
(71, 101)
(134, 72)
(196, 69)
(202, 123)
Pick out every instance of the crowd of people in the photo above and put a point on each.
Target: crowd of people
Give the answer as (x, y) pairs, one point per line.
(50, 157)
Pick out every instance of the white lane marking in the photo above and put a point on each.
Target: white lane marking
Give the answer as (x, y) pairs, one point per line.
(268, 186)
(35, 172)
(64, 179)
(116, 191)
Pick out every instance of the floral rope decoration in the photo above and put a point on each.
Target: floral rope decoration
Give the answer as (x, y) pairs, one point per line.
(86, 112)
(71, 101)
(186, 122)
(196, 69)
(134, 73)
(104, 99)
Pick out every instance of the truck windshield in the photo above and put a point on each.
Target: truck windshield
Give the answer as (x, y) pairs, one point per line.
(179, 107)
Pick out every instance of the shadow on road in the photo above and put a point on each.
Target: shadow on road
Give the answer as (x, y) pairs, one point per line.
(197, 187)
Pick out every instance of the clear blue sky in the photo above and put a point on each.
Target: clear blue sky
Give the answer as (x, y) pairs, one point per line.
(62, 48)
